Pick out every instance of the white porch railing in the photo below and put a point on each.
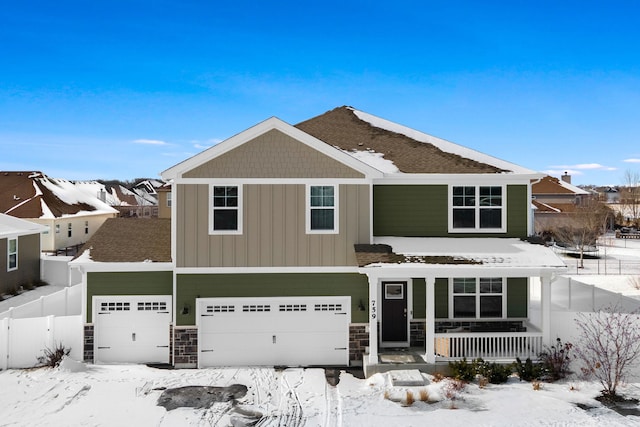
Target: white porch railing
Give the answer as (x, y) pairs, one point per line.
(488, 345)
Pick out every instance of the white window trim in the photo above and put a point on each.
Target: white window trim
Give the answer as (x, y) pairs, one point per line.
(169, 196)
(336, 197)
(9, 253)
(212, 209)
(477, 228)
(478, 295)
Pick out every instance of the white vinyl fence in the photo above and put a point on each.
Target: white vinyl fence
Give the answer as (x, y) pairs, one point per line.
(67, 302)
(22, 341)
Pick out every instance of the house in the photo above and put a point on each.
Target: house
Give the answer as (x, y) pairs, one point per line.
(554, 199)
(70, 215)
(19, 253)
(164, 200)
(330, 242)
(128, 203)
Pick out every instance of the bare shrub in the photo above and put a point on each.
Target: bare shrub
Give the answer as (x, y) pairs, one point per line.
(555, 360)
(424, 395)
(53, 357)
(437, 377)
(608, 346)
(409, 399)
(537, 385)
(634, 281)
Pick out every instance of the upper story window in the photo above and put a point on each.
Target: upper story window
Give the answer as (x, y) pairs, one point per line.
(57, 228)
(322, 209)
(69, 229)
(168, 199)
(226, 209)
(86, 227)
(477, 208)
(477, 298)
(12, 254)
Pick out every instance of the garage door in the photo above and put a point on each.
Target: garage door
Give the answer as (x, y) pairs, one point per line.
(291, 331)
(131, 329)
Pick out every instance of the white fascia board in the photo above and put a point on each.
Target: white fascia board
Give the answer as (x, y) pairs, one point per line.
(239, 181)
(253, 132)
(114, 267)
(461, 270)
(264, 270)
(459, 178)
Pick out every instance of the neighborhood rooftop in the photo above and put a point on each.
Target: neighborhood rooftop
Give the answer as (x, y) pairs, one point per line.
(130, 240)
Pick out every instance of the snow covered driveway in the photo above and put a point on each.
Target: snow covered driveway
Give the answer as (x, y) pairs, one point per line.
(78, 395)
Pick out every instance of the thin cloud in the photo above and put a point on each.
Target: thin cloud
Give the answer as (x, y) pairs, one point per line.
(150, 142)
(585, 166)
(631, 160)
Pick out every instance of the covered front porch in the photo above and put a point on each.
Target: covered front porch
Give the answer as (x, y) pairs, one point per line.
(471, 300)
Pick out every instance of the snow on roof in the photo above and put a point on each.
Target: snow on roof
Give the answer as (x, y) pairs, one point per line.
(490, 252)
(441, 144)
(11, 226)
(373, 159)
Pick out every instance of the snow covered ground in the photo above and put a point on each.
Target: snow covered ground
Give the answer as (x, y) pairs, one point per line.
(82, 395)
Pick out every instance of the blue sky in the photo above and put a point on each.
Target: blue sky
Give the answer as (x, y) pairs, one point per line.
(125, 89)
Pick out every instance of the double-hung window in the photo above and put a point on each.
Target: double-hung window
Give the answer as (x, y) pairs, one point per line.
(477, 298)
(226, 209)
(322, 209)
(12, 254)
(477, 208)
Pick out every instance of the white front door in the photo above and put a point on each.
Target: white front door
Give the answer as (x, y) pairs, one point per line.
(287, 331)
(131, 329)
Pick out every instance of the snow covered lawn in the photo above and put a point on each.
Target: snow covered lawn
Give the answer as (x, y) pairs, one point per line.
(79, 395)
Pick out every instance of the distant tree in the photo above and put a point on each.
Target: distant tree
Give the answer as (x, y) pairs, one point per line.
(608, 345)
(630, 197)
(581, 228)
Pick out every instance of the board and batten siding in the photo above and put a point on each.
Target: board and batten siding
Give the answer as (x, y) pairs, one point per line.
(127, 283)
(193, 286)
(28, 271)
(274, 230)
(422, 211)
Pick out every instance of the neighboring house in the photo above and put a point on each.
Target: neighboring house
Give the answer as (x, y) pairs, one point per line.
(128, 203)
(19, 253)
(164, 201)
(553, 199)
(327, 242)
(71, 215)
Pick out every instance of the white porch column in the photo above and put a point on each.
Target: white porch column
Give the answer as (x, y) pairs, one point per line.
(430, 315)
(545, 309)
(374, 314)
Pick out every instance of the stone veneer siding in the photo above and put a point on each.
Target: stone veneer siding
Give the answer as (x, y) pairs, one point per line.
(87, 353)
(416, 333)
(358, 342)
(185, 347)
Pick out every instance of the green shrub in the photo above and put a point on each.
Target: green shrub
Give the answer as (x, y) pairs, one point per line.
(495, 373)
(463, 370)
(528, 371)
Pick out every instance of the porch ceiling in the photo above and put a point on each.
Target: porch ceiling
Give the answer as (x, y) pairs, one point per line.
(507, 254)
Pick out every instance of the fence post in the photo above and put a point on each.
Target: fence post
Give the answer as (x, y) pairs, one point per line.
(41, 306)
(569, 289)
(66, 300)
(593, 298)
(4, 344)
(51, 324)
(619, 266)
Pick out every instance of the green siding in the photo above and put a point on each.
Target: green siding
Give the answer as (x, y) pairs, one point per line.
(422, 211)
(517, 297)
(518, 209)
(410, 210)
(192, 286)
(419, 298)
(129, 283)
(442, 298)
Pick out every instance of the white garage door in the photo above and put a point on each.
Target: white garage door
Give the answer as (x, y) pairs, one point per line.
(291, 331)
(131, 329)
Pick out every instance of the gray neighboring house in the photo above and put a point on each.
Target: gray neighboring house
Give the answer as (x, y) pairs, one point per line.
(19, 253)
